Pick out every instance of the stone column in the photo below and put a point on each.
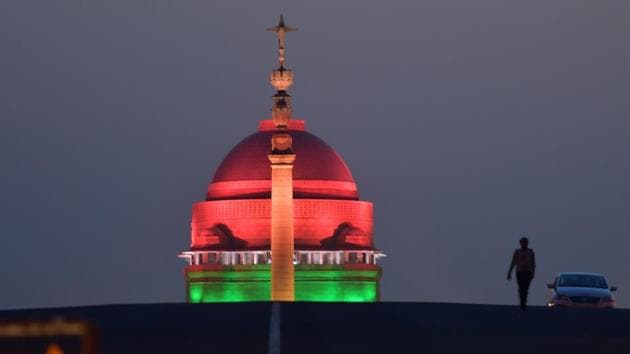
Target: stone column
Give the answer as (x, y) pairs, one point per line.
(282, 269)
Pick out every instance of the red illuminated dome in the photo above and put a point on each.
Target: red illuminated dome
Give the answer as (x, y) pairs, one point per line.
(319, 172)
(328, 214)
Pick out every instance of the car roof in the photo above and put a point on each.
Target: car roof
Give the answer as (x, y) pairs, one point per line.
(579, 273)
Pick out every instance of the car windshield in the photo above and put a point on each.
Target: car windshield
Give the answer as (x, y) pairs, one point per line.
(583, 281)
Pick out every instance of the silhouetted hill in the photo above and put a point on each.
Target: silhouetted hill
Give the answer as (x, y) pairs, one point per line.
(347, 328)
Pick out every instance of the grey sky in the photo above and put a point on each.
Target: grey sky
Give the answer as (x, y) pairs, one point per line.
(467, 123)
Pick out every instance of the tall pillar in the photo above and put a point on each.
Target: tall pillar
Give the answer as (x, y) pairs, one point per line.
(282, 269)
(281, 158)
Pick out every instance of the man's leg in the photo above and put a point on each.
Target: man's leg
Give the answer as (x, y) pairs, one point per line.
(527, 281)
(523, 279)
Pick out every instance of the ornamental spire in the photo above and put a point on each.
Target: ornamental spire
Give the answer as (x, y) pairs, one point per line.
(281, 79)
(281, 29)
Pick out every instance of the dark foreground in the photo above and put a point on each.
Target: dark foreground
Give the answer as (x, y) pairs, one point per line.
(343, 328)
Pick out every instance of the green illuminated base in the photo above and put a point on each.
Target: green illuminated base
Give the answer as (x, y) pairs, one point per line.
(312, 283)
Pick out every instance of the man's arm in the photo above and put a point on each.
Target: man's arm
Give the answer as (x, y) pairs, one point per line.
(533, 263)
(509, 275)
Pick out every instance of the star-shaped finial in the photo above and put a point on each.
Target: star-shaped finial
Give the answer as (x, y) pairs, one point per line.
(281, 29)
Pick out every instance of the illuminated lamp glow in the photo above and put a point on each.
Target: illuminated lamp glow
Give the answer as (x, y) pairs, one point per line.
(232, 284)
(195, 292)
(335, 291)
(54, 348)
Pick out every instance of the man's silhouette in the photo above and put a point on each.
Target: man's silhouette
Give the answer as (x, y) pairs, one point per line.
(525, 263)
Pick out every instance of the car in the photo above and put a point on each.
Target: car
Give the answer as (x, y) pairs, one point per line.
(581, 290)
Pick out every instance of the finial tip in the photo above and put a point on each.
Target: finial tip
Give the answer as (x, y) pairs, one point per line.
(281, 27)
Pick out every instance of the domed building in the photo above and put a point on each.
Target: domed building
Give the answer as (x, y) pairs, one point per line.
(329, 229)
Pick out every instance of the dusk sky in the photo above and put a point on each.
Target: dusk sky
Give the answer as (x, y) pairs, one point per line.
(467, 123)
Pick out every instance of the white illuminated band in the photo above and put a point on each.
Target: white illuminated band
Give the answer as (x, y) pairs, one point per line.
(338, 257)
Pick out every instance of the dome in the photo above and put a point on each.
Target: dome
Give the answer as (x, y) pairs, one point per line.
(318, 172)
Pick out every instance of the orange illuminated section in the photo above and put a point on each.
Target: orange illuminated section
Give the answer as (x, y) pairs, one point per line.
(282, 272)
(58, 336)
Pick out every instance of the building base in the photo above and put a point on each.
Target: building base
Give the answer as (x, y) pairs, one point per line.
(324, 283)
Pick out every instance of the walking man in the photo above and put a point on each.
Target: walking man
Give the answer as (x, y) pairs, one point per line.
(525, 263)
